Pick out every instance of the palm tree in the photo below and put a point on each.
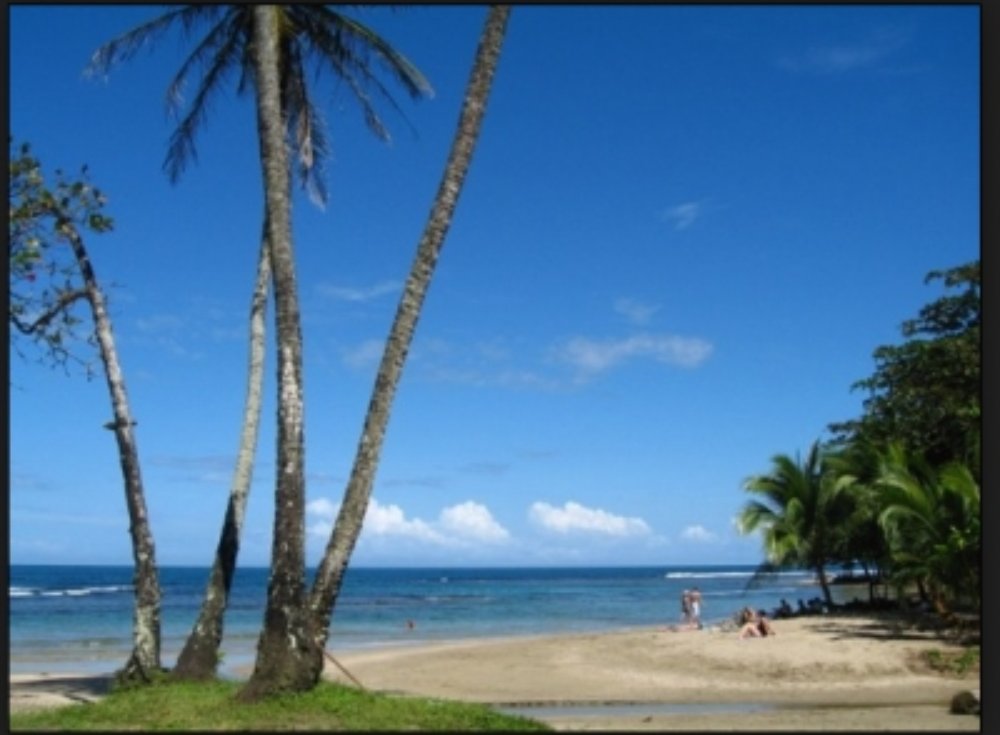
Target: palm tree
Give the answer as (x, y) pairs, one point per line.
(350, 518)
(800, 505)
(932, 520)
(199, 657)
(286, 652)
(859, 537)
(66, 209)
(341, 45)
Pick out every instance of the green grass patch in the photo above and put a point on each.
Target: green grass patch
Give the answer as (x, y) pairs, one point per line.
(168, 705)
(952, 662)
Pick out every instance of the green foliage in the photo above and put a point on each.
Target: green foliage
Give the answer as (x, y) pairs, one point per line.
(171, 705)
(926, 392)
(45, 280)
(800, 507)
(858, 537)
(932, 522)
(959, 663)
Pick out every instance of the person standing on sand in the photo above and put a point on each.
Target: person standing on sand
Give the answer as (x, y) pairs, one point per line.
(696, 606)
(686, 606)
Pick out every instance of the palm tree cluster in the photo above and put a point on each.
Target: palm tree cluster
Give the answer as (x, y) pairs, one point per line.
(886, 493)
(903, 521)
(271, 48)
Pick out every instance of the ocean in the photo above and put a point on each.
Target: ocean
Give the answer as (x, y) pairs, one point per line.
(79, 618)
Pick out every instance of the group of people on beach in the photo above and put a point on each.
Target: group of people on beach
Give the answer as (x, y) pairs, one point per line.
(750, 623)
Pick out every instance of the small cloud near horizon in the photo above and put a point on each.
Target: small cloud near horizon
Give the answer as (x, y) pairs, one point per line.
(573, 517)
(698, 533)
(456, 525)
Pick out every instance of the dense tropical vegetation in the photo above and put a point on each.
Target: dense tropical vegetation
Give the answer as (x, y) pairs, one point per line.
(897, 490)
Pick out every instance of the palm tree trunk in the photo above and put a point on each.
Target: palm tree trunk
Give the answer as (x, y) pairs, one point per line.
(287, 657)
(825, 586)
(345, 534)
(145, 658)
(199, 658)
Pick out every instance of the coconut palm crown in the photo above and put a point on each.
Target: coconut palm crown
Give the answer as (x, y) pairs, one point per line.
(318, 35)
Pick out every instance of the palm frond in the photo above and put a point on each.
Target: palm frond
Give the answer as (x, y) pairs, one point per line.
(209, 46)
(182, 148)
(332, 46)
(358, 34)
(765, 573)
(126, 46)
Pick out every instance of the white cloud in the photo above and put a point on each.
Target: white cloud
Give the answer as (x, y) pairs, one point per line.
(573, 517)
(697, 533)
(347, 293)
(684, 215)
(472, 520)
(839, 58)
(595, 356)
(390, 520)
(319, 517)
(323, 508)
(364, 355)
(635, 311)
(456, 525)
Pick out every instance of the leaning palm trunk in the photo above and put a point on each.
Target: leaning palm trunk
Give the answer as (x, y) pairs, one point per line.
(145, 658)
(287, 657)
(345, 533)
(199, 658)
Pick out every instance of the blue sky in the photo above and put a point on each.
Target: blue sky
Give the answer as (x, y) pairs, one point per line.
(684, 232)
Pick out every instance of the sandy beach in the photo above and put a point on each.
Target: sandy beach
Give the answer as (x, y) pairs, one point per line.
(817, 673)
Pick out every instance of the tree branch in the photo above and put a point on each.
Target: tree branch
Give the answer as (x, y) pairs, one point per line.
(62, 303)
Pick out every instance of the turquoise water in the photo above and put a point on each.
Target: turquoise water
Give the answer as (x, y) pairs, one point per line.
(79, 618)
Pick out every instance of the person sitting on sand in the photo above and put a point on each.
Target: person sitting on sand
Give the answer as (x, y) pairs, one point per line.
(784, 610)
(757, 627)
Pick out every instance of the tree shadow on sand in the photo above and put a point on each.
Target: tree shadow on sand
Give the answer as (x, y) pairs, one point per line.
(76, 688)
(899, 626)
